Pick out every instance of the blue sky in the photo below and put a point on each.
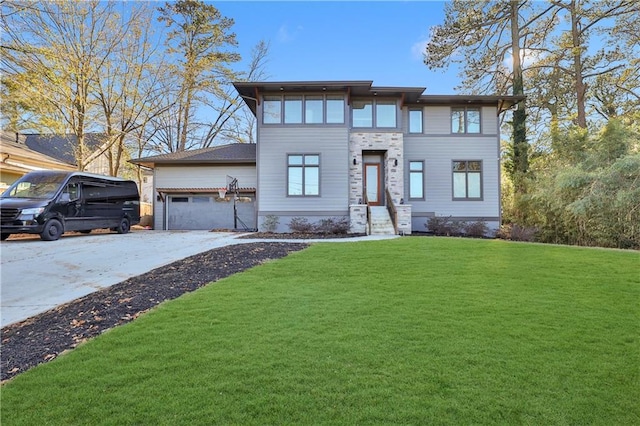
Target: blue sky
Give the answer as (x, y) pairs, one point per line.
(360, 40)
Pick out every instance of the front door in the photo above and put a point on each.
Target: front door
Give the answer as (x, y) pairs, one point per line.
(372, 184)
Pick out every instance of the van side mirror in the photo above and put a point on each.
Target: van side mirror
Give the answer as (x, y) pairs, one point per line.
(65, 198)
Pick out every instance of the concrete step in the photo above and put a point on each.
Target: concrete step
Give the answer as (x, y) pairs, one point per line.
(379, 221)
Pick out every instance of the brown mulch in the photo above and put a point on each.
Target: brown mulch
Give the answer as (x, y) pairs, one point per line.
(42, 338)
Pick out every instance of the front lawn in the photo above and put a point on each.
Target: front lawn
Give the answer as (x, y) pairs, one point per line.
(406, 331)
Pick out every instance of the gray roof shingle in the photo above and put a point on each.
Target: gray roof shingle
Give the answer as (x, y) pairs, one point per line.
(231, 153)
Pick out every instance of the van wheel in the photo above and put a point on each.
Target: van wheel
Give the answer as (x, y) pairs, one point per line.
(52, 230)
(124, 226)
(4, 236)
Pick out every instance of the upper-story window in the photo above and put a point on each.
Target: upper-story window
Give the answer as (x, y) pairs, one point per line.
(465, 120)
(293, 109)
(299, 109)
(335, 110)
(415, 121)
(272, 110)
(303, 175)
(362, 113)
(378, 113)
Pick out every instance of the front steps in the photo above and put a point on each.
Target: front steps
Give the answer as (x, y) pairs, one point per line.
(379, 221)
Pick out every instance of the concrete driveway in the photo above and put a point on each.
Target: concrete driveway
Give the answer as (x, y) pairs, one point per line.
(39, 275)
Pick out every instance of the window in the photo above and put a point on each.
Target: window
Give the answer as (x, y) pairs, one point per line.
(299, 109)
(293, 109)
(303, 175)
(335, 110)
(386, 114)
(362, 113)
(380, 114)
(416, 180)
(415, 121)
(272, 110)
(467, 180)
(179, 199)
(465, 120)
(313, 110)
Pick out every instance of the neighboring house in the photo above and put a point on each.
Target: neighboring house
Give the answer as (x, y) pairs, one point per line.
(17, 159)
(330, 149)
(63, 148)
(347, 149)
(191, 188)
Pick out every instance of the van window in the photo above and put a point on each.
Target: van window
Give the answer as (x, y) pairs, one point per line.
(36, 185)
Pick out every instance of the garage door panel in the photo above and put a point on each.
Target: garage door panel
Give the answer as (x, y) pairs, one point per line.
(207, 211)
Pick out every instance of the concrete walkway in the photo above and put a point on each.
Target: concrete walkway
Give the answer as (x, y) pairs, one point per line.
(36, 275)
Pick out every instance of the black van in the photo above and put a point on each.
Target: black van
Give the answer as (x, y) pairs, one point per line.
(52, 202)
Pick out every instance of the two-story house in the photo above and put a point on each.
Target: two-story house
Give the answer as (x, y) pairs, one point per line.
(328, 149)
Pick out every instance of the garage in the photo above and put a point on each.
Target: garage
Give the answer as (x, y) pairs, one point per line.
(206, 211)
(204, 189)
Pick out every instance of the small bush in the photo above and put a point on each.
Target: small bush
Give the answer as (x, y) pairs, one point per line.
(440, 225)
(270, 223)
(515, 232)
(301, 224)
(477, 229)
(332, 226)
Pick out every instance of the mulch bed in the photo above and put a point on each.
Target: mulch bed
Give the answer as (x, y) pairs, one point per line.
(42, 338)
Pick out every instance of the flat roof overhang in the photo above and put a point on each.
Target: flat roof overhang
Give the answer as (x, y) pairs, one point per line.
(251, 92)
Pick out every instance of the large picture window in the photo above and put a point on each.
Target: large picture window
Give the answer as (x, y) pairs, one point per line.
(467, 180)
(465, 120)
(303, 175)
(416, 180)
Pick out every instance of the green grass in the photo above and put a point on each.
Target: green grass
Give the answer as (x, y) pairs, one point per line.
(408, 331)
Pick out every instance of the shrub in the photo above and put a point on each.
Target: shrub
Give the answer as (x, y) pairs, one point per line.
(300, 224)
(477, 229)
(440, 225)
(270, 223)
(515, 232)
(332, 226)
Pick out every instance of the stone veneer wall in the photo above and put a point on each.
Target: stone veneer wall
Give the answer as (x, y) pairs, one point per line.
(392, 143)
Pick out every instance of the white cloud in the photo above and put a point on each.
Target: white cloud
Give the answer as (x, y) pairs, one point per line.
(418, 49)
(527, 58)
(285, 35)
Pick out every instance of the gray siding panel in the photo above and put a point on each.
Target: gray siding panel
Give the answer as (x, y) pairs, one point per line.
(332, 144)
(438, 153)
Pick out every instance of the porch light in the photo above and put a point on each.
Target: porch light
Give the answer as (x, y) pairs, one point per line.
(354, 161)
(395, 162)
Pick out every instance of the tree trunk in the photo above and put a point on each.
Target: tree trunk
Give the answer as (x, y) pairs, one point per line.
(580, 86)
(520, 145)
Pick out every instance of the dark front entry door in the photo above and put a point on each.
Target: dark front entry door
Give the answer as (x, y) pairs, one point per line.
(372, 183)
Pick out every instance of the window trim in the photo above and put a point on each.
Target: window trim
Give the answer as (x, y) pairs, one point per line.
(302, 166)
(465, 111)
(466, 181)
(422, 173)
